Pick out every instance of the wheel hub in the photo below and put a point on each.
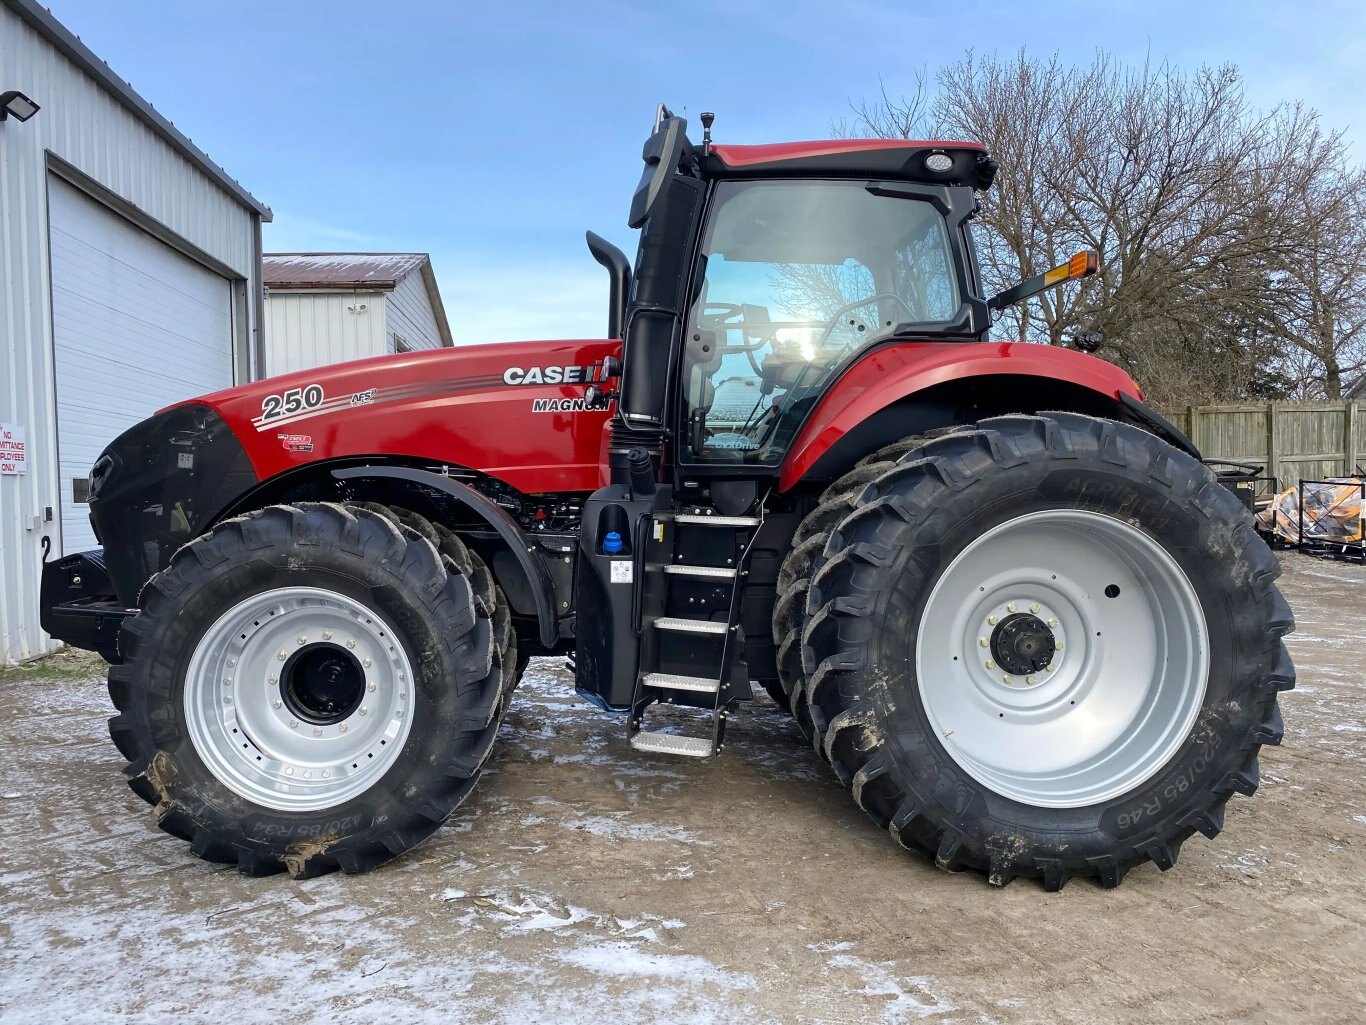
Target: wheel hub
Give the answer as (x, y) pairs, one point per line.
(322, 684)
(1022, 643)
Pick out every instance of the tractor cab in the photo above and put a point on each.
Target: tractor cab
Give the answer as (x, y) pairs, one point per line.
(763, 272)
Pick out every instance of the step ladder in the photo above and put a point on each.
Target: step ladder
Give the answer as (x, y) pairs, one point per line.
(691, 641)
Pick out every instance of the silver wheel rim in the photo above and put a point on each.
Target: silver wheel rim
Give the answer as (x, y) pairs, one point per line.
(1128, 671)
(251, 730)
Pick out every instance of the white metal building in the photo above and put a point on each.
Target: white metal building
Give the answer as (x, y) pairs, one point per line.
(129, 279)
(326, 308)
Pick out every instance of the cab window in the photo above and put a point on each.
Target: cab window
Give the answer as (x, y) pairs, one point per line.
(796, 279)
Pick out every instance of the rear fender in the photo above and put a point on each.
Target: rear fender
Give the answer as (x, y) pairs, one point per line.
(542, 589)
(909, 388)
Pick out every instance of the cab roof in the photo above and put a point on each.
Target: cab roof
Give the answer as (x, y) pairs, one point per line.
(892, 158)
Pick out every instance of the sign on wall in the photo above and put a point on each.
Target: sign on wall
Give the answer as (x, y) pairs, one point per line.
(13, 457)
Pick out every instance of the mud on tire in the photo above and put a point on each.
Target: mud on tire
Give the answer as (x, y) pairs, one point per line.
(863, 685)
(334, 565)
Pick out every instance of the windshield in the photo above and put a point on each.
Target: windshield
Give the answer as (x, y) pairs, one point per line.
(797, 278)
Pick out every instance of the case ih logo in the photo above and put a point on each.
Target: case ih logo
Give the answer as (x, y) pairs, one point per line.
(552, 375)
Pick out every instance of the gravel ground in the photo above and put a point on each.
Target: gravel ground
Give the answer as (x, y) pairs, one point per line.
(582, 882)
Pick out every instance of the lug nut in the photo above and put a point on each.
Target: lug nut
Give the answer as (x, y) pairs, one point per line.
(1030, 680)
(227, 701)
(350, 644)
(327, 635)
(303, 639)
(371, 688)
(1005, 679)
(294, 724)
(991, 620)
(1010, 607)
(289, 772)
(276, 703)
(1050, 667)
(983, 641)
(308, 774)
(282, 656)
(342, 727)
(364, 710)
(1034, 607)
(317, 732)
(232, 662)
(367, 663)
(272, 679)
(1060, 645)
(991, 664)
(1052, 622)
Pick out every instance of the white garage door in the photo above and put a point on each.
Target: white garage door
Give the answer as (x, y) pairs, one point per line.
(136, 326)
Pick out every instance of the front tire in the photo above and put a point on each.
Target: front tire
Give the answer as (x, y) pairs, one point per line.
(307, 688)
(1047, 647)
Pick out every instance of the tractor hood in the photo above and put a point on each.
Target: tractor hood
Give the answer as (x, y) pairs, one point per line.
(515, 412)
(503, 409)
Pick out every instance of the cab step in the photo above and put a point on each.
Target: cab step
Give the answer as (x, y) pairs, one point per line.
(673, 681)
(696, 561)
(690, 626)
(672, 744)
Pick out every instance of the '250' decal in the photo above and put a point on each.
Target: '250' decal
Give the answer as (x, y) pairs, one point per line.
(296, 400)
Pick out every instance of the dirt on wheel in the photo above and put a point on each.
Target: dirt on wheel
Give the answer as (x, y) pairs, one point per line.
(582, 880)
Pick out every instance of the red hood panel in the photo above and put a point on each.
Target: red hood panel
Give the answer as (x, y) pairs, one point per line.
(503, 409)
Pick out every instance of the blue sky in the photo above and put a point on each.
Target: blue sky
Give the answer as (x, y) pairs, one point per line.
(492, 134)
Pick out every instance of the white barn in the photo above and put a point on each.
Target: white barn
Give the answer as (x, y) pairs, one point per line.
(326, 308)
(129, 280)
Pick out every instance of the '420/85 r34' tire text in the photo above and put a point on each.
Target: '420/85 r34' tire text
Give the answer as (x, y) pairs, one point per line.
(1049, 646)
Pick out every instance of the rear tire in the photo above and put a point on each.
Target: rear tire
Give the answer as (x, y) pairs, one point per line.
(994, 773)
(307, 688)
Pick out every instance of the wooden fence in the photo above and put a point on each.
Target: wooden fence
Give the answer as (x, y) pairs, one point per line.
(1293, 440)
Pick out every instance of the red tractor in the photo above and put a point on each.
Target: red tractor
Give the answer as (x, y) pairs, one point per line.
(1003, 598)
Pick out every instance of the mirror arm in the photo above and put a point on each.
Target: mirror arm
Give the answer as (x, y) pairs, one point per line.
(1083, 265)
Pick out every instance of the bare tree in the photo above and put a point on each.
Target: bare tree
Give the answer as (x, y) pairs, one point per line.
(1319, 292)
(1224, 232)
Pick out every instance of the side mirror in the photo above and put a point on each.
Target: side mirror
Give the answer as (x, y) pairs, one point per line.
(1083, 265)
(663, 150)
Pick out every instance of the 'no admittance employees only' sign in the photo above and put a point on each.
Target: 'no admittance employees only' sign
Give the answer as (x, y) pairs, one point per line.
(13, 458)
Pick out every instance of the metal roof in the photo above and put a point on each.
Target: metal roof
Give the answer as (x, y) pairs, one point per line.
(339, 270)
(374, 272)
(71, 47)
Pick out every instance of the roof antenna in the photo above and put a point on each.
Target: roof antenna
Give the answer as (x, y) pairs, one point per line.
(707, 118)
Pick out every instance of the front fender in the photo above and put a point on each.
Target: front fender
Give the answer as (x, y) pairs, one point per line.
(543, 591)
(893, 373)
